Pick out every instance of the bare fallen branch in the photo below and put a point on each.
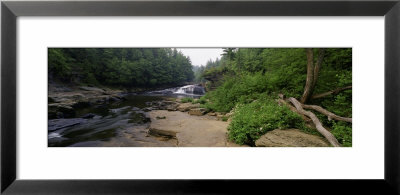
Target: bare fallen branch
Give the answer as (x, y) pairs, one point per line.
(332, 92)
(330, 115)
(332, 140)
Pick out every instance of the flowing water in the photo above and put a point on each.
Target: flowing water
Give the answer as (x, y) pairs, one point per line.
(122, 123)
(193, 91)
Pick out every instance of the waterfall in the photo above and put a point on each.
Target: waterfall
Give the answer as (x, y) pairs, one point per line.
(190, 89)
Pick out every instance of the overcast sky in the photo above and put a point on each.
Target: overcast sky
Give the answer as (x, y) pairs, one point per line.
(200, 56)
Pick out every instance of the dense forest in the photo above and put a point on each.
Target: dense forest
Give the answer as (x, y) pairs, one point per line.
(250, 80)
(122, 67)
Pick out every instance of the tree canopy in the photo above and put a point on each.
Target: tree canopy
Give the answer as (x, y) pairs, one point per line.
(126, 67)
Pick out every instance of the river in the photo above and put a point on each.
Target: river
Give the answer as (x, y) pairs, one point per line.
(121, 123)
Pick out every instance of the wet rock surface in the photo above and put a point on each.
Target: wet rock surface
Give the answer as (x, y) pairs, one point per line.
(125, 126)
(57, 124)
(63, 101)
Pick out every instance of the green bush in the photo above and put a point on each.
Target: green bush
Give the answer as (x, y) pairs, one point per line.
(201, 100)
(252, 120)
(343, 133)
(186, 99)
(241, 89)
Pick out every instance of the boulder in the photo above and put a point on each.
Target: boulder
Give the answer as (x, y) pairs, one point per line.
(165, 105)
(99, 99)
(65, 97)
(198, 90)
(187, 106)
(220, 116)
(211, 114)
(172, 107)
(197, 111)
(92, 89)
(290, 138)
(139, 118)
(58, 110)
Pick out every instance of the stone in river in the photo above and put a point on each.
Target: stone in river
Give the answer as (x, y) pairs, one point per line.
(92, 89)
(197, 111)
(55, 109)
(88, 115)
(211, 114)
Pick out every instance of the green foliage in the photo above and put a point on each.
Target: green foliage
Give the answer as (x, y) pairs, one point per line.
(127, 67)
(59, 64)
(91, 79)
(243, 89)
(201, 100)
(343, 133)
(254, 73)
(254, 119)
(186, 100)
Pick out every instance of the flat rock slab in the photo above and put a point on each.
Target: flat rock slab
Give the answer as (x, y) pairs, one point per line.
(184, 107)
(192, 131)
(290, 138)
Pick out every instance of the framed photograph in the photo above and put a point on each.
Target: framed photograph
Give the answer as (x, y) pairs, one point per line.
(199, 97)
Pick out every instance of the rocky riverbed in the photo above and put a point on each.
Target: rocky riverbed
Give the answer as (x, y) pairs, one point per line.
(164, 122)
(90, 116)
(63, 101)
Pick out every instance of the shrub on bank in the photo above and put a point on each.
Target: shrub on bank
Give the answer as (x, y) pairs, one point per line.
(186, 100)
(342, 131)
(201, 100)
(250, 121)
(241, 89)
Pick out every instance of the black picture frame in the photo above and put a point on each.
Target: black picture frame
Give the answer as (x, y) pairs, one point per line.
(10, 10)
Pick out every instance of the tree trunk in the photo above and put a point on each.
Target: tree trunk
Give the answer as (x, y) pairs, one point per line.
(321, 55)
(333, 92)
(310, 76)
(330, 115)
(332, 140)
(312, 73)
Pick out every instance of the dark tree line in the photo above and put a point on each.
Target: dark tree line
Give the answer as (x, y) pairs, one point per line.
(126, 67)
